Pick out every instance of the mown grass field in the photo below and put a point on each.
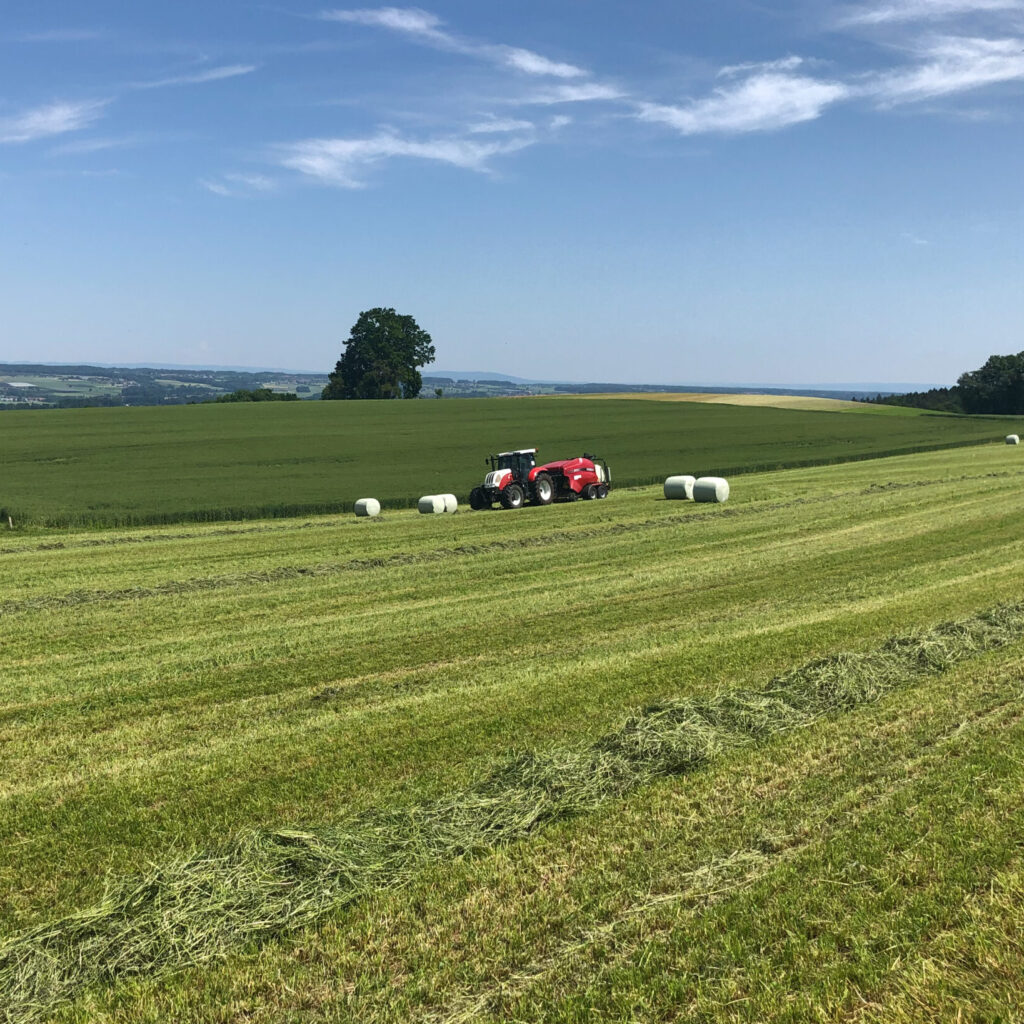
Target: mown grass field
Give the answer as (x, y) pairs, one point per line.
(217, 462)
(257, 686)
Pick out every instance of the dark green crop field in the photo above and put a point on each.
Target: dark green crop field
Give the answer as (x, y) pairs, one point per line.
(627, 760)
(151, 465)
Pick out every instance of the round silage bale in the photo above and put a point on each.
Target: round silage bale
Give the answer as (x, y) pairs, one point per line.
(680, 488)
(1013, 439)
(367, 507)
(451, 503)
(431, 504)
(711, 488)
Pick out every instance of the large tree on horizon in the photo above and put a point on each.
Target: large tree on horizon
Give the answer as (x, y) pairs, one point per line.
(381, 358)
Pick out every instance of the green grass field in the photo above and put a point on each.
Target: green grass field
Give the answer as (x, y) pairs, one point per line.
(405, 759)
(215, 462)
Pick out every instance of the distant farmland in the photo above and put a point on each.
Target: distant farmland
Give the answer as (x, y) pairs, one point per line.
(150, 465)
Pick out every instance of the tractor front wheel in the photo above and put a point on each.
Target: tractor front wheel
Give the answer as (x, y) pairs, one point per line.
(543, 489)
(478, 499)
(512, 496)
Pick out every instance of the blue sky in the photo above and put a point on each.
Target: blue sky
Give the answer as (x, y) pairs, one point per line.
(616, 190)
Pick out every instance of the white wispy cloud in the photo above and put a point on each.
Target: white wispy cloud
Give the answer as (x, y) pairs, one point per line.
(497, 125)
(783, 64)
(199, 77)
(534, 64)
(411, 20)
(425, 27)
(238, 185)
(49, 120)
(951, 65)
(343, 162)
(584, 92)
(925, 10)
(762, 102)
(216, 187)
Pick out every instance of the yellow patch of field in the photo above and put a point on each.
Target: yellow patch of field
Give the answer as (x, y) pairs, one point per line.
(773, 401)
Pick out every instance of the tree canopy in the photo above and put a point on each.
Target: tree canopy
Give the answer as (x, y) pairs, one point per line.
(998, 387)
(381, 358)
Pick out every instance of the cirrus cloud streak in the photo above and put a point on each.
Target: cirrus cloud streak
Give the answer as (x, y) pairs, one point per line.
(49, 120)
(425, 27)
(342, 162)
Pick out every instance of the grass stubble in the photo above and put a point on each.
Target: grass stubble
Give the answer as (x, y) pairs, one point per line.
(205, 905)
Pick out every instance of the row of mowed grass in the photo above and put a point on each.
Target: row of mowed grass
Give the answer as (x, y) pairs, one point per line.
(168, 688)
(208, 462)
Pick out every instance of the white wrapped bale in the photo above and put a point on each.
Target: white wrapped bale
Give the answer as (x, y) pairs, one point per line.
(711, 488)
(1013, 439)
(367, 507)
(680, 488)
(431, 504)
(451, 503)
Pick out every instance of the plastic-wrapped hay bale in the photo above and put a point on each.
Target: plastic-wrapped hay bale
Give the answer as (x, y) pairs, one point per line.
(711, 488)
(431, 504)
(367, 507)
(680, 488)
(1013, 439)
(451, 503)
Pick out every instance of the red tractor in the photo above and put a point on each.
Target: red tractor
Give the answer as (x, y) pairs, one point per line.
(515, 478)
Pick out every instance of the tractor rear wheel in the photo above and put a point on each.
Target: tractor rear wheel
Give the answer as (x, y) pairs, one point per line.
(590, 492)
(543, 489)
(512, 496)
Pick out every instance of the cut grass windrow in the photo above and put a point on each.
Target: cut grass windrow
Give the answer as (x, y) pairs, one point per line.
(206, 905)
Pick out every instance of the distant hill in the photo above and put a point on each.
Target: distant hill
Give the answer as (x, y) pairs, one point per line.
(167, 383)
(481, 375)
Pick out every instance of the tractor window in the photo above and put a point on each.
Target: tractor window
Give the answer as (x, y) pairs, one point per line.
(519, 464)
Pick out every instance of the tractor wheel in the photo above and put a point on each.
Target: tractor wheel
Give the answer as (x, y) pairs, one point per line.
(543, 489)
(478, 499)
(512, 496)
(602, 490)
(590, 492)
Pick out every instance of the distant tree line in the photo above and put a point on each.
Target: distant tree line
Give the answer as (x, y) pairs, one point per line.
(257, 395)
(936, 399)
(997, 388)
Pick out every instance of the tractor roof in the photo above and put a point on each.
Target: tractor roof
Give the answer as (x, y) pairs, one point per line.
(519, 451)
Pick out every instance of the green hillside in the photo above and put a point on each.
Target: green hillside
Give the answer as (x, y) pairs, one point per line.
(151, 465)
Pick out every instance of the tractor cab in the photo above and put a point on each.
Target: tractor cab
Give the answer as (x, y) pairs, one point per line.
(519, 462)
